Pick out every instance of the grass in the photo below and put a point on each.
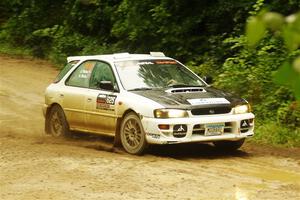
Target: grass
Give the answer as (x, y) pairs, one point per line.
(21, 52)
(8, 49)
(276, 135)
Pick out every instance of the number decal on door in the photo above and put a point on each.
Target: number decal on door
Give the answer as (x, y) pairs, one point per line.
(106, 102)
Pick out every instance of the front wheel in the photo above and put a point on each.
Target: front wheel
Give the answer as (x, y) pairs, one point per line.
(58, 124)
(229, 145)
(132, 134)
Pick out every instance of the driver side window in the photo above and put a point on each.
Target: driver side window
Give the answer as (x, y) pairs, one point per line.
(102, 72)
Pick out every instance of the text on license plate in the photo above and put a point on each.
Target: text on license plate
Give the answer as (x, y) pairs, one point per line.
(214, 129)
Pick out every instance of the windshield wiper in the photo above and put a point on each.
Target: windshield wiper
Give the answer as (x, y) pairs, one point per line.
(141, 88)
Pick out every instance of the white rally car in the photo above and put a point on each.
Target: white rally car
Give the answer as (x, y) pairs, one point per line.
(143, 99)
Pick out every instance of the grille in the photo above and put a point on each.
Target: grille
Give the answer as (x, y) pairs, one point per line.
(211, 111)
(199, 129)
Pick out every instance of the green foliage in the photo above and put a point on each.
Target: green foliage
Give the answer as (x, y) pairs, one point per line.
(289, 114)
(249, 72)
(275, 101)
(209, 66)
(255, 30)
(267, 132)
(7, 48)
(207, 35)
(290, 32)
(257, 7)
(181, 29)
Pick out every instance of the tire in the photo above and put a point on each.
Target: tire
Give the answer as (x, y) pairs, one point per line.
(58, 125)
(229, 145)
(133, 135)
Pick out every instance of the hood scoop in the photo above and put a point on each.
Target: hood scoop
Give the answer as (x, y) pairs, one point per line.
(186, 90)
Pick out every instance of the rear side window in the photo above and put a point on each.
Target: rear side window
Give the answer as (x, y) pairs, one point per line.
(81, 76)
(65, 70)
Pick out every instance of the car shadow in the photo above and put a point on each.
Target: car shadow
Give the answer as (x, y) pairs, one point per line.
(194, 150)
(176, 151)
(90, 141)
(91, 137)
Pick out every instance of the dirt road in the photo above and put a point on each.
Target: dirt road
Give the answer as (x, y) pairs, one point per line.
(36, 166)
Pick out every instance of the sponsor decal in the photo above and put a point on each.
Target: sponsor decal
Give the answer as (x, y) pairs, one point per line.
(166, 62)
(84, 74)
(158, 62)
(179, 130)
(153, 135)
(207, 101)
(145, 63)
(245, 123)
(89, 65)
(106, 102)
(87, 70)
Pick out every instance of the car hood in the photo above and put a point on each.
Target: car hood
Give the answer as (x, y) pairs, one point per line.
(184, 98)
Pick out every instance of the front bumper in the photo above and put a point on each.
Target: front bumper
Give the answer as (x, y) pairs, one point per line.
(195, 128)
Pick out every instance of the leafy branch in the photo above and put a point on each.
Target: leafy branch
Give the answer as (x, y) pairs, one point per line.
(287, 28)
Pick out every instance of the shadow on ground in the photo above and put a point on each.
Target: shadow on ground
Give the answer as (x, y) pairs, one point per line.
(176, 151)
(194, 150)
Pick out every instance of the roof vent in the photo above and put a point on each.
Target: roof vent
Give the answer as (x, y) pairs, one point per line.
(157, 54)
(121, 55)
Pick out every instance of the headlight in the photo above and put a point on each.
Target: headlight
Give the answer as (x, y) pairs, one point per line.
(170, 113)
(240, 109)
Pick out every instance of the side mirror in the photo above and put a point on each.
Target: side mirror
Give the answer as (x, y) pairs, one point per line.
(106, 85)
(208, 79)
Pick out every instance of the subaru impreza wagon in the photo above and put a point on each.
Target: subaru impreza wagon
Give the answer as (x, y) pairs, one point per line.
(143, 99)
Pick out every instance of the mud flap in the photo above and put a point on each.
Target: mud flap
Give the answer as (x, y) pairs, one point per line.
(117, 138)
(47, 125)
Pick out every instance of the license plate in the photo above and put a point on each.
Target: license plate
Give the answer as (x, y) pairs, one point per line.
(214, 129)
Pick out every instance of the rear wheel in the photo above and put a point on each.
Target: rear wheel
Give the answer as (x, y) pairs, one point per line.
(132, 134)
(58, 124)
(229, 145)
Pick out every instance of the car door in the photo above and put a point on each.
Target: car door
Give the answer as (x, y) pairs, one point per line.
(74, 95)
(101, 101)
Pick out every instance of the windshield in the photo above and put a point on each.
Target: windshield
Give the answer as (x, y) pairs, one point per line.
(148, 74)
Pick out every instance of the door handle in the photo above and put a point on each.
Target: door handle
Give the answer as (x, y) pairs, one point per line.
(89, 99)
(61, 95)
